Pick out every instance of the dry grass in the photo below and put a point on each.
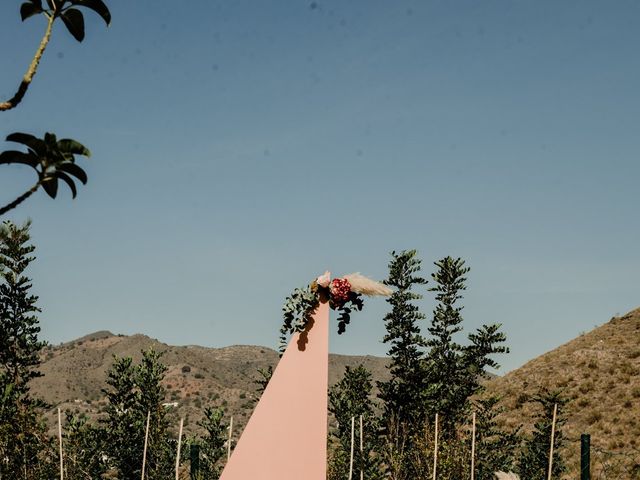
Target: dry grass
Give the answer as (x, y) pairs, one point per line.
(599, 372)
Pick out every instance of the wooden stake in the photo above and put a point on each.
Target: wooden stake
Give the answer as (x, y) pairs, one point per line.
(361, 450)
(146, 440)
(435, 450)
(178, 453)
(553, 435)
(229, 441)
(473, 445)
(60, 442)
(353, 424)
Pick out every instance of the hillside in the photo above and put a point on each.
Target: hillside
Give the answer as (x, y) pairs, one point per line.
(75, 373)
(599, 372)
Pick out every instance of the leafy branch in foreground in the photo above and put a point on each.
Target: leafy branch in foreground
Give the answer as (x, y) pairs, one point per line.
(72, 18)
(52, 159)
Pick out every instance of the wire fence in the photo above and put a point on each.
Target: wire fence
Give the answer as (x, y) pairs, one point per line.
(603, 464)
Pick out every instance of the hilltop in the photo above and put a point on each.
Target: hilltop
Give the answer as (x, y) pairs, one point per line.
(599, 373)
(75, 374)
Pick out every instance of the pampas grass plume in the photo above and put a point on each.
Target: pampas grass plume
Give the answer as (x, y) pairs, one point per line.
(506, 476)
(366, 286)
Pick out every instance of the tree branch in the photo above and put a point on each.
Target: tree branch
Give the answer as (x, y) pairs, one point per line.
(28, 77)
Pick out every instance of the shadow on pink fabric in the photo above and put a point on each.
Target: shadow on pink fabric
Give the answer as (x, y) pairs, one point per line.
(286, 437)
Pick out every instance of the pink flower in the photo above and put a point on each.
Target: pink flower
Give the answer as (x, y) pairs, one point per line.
(324, 279)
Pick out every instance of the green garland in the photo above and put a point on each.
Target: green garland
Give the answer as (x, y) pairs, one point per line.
(300, 305)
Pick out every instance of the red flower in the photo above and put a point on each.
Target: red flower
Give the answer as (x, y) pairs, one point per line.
(340, 288)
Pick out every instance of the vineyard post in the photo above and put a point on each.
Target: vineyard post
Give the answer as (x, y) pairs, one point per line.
(194, 450)
(361, 451)
(229, 441)
(178, 452)
(435, 450)
(353, 424)
(60, 442)
(553, 435)
(146, 439)
(585, 457)
(473, 445)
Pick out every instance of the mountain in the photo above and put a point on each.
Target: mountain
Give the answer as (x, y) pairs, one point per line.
(599, 373)
(75, 374)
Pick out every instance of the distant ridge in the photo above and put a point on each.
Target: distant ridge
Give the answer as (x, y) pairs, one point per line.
(75, 373)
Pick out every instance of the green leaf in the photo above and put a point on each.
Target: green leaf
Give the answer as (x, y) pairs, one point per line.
(29, 140)
(50, 186)
(13, 156)
(68, 145)
(76, 171)
(65, 178)
(97, 6)
(29, 9)
(74, 21)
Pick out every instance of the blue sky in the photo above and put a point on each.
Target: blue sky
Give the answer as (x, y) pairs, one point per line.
(241, 148)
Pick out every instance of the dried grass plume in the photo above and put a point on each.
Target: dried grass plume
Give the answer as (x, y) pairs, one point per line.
(507, 476)
(366, 286)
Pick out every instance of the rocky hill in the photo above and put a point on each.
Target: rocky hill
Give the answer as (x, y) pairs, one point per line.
(75, 373)
(599, 373)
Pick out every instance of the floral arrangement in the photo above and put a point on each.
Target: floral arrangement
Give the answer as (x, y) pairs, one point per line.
(344, 295)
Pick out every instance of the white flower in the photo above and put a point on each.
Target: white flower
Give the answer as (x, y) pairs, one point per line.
(324, 280)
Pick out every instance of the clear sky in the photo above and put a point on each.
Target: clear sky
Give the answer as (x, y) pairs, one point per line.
(240, 148)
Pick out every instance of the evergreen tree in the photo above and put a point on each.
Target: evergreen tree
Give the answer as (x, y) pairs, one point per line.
(22, 431)
(495, 448)
(402, 394)
(135, 391)
(212, 444)
(534, 460)
(351, 398)
(454, 372)
(160, 451)
(84, 449)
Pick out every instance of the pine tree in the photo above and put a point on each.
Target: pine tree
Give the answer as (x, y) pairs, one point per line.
(351, 398)
(534, 460)
(135, 391)
(402, 394)
(495, 447)
(160, 451)
(22, 432)
(453, 371)
(212, 444)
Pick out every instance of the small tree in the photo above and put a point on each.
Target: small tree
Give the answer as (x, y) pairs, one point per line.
(135, 391)
(212, 444)
(84, 449)
(534, 460)
(22, 431)
(495, 448)
(402, 393)
(453, 371)
(351, 398)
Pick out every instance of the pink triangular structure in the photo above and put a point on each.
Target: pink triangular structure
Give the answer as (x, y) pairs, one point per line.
(286, 437)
